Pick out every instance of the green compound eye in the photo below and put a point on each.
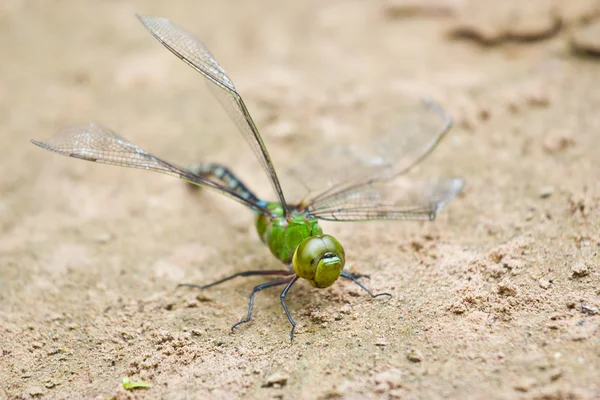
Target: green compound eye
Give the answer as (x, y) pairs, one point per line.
(320, 260)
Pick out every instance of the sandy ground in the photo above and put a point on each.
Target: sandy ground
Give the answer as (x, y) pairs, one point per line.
(498, 298)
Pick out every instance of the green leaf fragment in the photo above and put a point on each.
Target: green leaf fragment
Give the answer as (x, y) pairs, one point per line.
(130, 385)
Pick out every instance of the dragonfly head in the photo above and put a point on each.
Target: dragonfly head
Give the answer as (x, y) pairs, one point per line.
(320, 260)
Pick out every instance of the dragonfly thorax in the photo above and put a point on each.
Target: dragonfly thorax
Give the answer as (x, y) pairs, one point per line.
(298, 241)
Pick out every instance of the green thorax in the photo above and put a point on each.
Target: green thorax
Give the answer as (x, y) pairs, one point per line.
(282, 235)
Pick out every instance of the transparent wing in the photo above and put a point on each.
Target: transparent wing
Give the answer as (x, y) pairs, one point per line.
(346, 182)
(193, 52)
(96, 143)
(410, 201)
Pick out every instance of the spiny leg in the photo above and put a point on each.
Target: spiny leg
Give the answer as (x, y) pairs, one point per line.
(251, 303)
(245, 273)
(353, 277)
(222, 175)
(282, 297)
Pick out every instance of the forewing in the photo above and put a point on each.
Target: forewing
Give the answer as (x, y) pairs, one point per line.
(96, 143)
(193, 52)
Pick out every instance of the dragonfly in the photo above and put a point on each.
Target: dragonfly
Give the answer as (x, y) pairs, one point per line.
(343, 183)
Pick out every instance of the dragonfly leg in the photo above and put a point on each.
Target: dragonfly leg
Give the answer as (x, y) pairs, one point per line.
(251, 303)
(353, 277)
(282, 297)
(245, 273)
(223, 176)
(356, 276)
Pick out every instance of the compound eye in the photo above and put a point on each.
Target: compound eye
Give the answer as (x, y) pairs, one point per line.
(320, 260)
(307, 257)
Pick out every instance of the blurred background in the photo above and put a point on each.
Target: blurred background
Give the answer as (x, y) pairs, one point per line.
(497, 298)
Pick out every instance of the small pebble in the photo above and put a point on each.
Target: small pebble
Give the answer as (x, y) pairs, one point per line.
(546, 192)
(414, 355)
(586, 40)
(36, 391)
(587, 309)
(556, 374)
(50, 384)
(544, 283)
(277, 378)
(580, 270)
(506, 288)
(525, 384)
(504, 21)
(203, 297)
(556, 142)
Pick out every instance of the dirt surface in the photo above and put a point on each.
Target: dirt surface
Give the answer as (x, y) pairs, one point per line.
(498, 298)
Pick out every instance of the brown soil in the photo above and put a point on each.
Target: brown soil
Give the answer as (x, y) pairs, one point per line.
(498, 298)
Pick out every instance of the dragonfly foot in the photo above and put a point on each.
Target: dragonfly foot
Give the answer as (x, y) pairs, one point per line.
(238, 324)
(192, 285)
(353, 277)
(381, 294)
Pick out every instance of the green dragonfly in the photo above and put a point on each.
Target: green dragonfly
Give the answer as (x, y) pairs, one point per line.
(340, 184)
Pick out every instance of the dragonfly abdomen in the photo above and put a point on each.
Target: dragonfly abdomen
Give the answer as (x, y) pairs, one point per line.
(223, 175)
